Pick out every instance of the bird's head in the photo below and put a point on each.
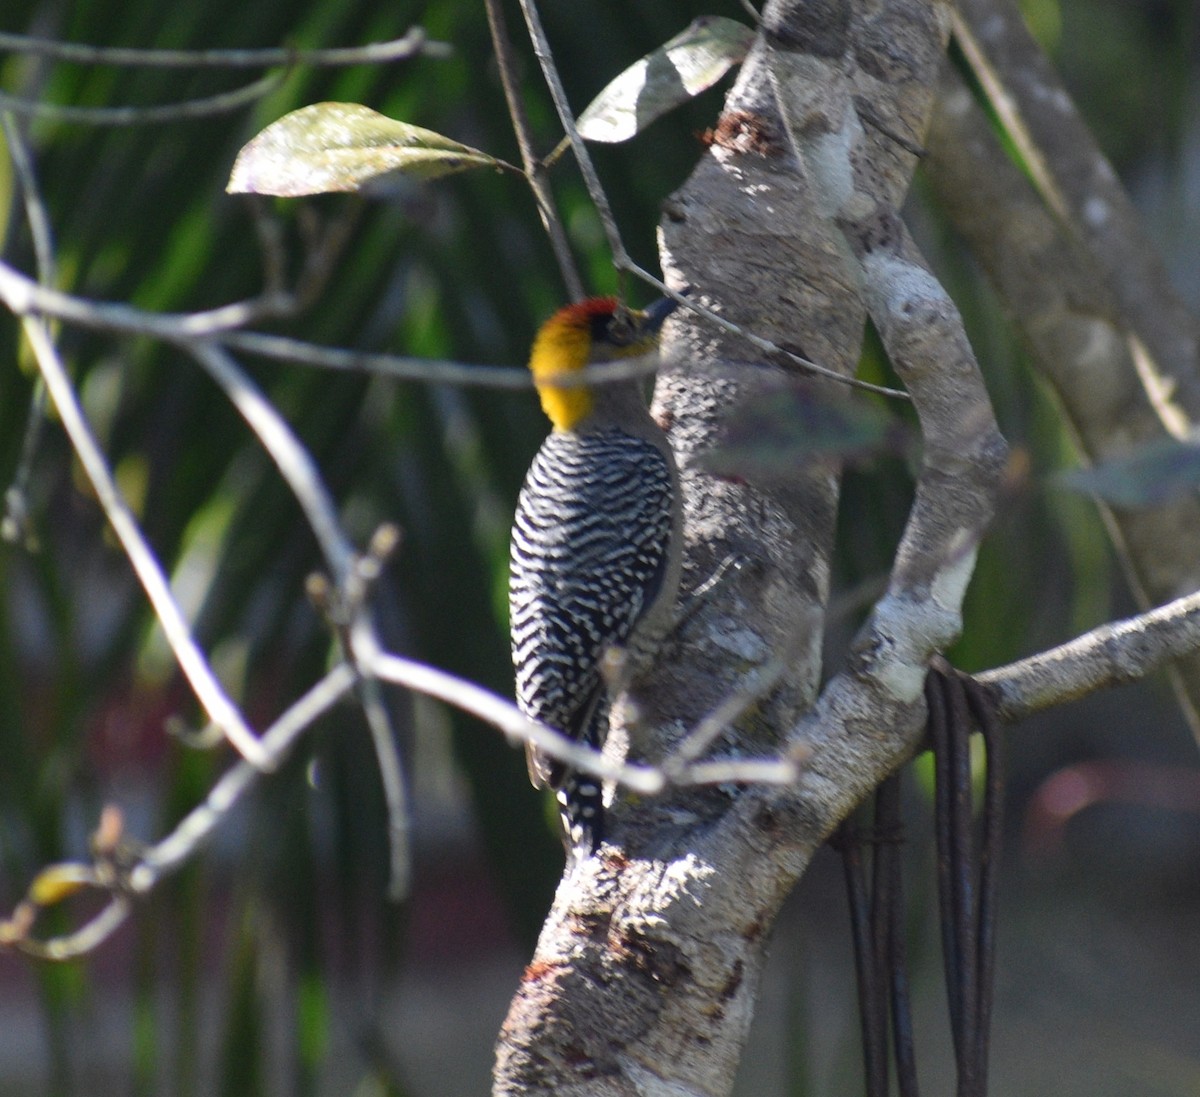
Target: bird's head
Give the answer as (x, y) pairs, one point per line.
(596, 330)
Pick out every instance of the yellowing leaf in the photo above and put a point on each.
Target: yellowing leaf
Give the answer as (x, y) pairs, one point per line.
(675, 72)
(58, 882)
(342, 147)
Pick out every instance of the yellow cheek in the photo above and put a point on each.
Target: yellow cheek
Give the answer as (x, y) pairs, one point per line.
(559, 351)
(565, 407)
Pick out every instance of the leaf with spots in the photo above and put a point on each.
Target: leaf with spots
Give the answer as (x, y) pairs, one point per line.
(345, 147)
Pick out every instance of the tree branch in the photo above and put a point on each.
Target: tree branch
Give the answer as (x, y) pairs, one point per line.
(1114, 654)
(1080, 185)
(220, 103)
(1078, 337)
(535, 168)
(210, 693)
(413, 43)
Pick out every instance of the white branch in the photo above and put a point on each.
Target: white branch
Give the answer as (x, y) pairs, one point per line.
(294, 462)
(221, 710)
(1114, 654)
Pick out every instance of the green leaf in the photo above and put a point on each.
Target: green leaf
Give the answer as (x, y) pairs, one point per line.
(1152, 474)
(772, 434)
(675, 72)
(342, 147)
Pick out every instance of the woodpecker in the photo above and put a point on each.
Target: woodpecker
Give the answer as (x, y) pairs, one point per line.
(595, 556)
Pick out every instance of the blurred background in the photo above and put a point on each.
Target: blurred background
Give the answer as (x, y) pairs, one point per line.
(276, 964)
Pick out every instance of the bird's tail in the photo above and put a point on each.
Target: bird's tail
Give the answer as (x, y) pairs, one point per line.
(581, 795)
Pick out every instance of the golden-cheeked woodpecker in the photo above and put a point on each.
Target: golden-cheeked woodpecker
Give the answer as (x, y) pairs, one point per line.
(595, 544)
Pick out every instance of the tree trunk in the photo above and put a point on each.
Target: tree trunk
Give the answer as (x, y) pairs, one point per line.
(646, 973)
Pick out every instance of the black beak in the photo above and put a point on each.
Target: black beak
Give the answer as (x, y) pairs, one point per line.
(657, 312)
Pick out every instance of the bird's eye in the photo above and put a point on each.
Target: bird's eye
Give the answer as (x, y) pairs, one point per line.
(621, 330)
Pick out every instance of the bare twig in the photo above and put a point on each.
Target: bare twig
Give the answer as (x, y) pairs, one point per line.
(621, 258)
(1114, 654)
(503, 714)
(412, 44)
(430, 370)
(705, 733)
(351, 581)
(180, 846)
(90, 936)
(758, 342)
(134, 116)
(16, 524)
(541, 49)
(395, 792)
(209, 692)
(36, 216)
(535, 169)
(23, 296)
(175, 850)
(742, 771)
(350, 614)
(294, 462)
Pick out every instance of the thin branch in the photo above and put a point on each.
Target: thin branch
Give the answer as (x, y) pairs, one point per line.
(742, 771)
(395, 792)
(541, 49)
(36, 215)
(208, 689)
(535, 169)
(351, 577)
(757, 341)
(1113, 654)
(223, 103)
(324, 246)
(24, 296)
(90, 936)
(437, 371)
(177, 848)
(412, 44)
(16, 524)
(182, 844)
(730, 709)
(294, 462)
(359, 638)
(503, 714)
(621, 258)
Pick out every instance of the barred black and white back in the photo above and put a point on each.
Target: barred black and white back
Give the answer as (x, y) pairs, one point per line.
(590, 548)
